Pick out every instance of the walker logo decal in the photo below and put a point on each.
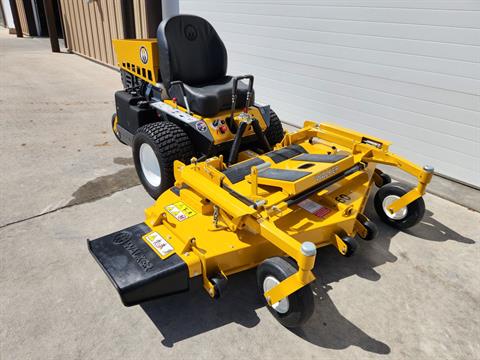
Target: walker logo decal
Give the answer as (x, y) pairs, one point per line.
(190, 32)
(143, 55)
(158, 244)
(201, 126)
(180, 211)
(327, 173)
(125, 239)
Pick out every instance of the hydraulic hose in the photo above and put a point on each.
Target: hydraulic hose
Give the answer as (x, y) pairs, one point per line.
(232, 158)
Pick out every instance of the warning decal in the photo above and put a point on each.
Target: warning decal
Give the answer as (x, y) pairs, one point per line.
(314, 208)
(158, 244)
(180, 211)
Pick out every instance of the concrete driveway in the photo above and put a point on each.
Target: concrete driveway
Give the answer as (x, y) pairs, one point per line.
(64, 178)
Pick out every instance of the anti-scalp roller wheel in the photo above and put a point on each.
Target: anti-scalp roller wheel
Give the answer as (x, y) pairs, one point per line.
(294, 310)
(404, 218)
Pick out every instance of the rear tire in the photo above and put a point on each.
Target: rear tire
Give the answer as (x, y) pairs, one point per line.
(295, 309)
(274, 132)
(155, 147)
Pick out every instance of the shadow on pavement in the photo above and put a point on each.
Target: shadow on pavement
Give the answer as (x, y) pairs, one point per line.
(185, 315)
(433, 230)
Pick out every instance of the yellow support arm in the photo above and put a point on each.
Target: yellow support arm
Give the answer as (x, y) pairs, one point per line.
(423, 175)
(304, 254)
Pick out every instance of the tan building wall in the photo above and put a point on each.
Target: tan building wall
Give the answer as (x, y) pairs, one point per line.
(91, 26)
(23, 17)
(140, 19)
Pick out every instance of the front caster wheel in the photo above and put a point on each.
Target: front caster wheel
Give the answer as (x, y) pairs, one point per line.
(404, 218)
(294, 310)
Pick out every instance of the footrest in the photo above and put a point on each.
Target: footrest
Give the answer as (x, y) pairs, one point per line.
(135, 270)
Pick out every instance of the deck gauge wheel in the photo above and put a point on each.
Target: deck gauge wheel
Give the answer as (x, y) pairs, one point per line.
(386, 179)
(219, 285)
(372, 230)
(295, 309)
(352, 245)
(404, 218)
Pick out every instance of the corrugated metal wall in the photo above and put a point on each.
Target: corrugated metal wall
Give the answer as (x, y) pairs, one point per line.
(408, 70)
(140, 19)
(90, 27)
(23, 17)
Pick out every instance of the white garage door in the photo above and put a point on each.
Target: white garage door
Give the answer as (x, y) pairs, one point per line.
(404, 70)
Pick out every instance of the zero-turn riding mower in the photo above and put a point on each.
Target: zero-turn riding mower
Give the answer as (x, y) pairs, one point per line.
(178, 102)
(227, 201)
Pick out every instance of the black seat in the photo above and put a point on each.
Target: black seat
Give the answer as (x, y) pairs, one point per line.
(191, 51)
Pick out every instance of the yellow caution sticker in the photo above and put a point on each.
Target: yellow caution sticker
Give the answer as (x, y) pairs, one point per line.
(158, 244)
(180, 211)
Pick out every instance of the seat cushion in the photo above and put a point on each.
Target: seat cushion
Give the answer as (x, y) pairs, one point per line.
(208, 100)
(190, 51)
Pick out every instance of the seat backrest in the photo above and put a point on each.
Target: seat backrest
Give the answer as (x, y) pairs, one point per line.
(190, 50)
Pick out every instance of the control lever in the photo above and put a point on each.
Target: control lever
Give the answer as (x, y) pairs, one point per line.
(236, 79)
(182, 89)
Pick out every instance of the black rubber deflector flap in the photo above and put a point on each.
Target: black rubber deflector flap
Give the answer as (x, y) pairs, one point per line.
(135, 270)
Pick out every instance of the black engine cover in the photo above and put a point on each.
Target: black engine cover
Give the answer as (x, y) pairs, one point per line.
(130, 115)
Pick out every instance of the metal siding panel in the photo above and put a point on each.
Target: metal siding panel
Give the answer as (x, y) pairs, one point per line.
(23, 17)
(82, 37)
(91, 27)
(88, 28)
(67, 23)
(105, 21)
(95, 32)
(138, 18)
(407, 71)
(117, 8)
(100, 29)
(456, 35)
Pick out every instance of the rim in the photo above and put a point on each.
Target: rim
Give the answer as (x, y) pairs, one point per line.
(400, 214)
(283, 305)
(149, 164)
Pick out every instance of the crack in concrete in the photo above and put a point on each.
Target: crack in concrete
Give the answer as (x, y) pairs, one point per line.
(93, 190)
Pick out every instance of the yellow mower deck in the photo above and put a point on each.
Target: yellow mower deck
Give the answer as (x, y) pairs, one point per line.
(220, 226)
(309, 192)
